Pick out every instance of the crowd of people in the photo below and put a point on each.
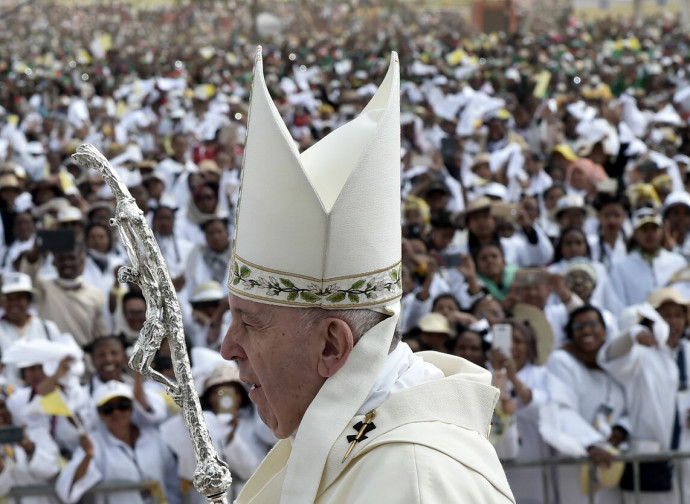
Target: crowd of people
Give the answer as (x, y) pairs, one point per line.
(545, 218)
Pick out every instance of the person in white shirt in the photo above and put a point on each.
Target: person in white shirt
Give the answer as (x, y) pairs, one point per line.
(109, 360)
(641, 359)
(230, 416)
(33, 461)
(528, 384)
(119, 450)
(590, 405)
(648, 265)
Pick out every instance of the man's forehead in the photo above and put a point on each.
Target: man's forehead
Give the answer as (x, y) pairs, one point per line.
(250, 308)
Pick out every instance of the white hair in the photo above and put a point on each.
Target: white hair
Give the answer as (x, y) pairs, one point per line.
(360, 321)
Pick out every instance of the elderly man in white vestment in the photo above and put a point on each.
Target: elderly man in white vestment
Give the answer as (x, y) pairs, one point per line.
(315, 285)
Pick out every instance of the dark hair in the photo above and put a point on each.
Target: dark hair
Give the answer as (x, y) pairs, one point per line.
(132, 295)
(558, 247)
(549, 189)
(461, 329)
(447, 295)
(530, 337)
(91, 347)
(474, 252)
(108, 232)
(244, 396)
(579, 311)
(603, 199)
(211, 220)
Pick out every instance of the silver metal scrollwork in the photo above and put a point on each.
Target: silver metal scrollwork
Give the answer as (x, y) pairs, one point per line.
(163, 320)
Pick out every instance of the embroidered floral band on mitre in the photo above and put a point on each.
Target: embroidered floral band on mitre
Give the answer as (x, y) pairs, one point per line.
(375, 288)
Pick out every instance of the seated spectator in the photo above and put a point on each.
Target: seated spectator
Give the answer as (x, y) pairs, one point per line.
(119, 450)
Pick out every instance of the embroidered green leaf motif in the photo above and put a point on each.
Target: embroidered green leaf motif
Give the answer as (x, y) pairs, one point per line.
(353, 297)
(309, 296)
(235, 280)
(336, 298)
(287, 283)
(245, 272)
(292, 296)
(394, 275)
(358, 284)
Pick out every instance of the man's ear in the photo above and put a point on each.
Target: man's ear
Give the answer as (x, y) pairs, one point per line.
(337, 343)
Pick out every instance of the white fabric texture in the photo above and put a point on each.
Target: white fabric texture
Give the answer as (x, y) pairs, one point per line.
(402, 370)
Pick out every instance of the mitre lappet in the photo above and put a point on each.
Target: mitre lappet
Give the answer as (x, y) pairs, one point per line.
(320, 228)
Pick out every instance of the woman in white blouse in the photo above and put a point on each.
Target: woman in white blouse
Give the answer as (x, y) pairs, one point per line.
(118, 450)
(589, 404)
(648, 265)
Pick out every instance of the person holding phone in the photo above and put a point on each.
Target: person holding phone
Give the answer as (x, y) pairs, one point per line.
(527, 384)
(28, 457)
(75, 306)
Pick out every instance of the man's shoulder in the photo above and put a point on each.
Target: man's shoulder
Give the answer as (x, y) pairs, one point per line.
(424, 462)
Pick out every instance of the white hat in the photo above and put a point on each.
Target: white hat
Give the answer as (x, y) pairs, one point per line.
(16, 282)
(568, 202)
(207, 291)
(69, 214)
(332, 230)
(674, 199)
(111, 390)
(645, 216)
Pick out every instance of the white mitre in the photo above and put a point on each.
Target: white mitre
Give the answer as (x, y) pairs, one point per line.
(320, 228)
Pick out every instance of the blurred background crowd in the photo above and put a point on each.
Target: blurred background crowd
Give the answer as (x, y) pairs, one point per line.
(545, 226)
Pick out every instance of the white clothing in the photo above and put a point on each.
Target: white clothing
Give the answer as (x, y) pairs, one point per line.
(149, 460)
(634, 278)
(37, 470)
(603, 295)
(588, 403)
(175, 250)
(22, 406)
(429, 444)
(526, 482)
(140, 416)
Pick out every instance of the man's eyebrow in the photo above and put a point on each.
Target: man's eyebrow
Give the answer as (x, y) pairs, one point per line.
(254, 318)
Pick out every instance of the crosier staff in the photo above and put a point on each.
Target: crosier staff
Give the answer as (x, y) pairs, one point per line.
(163, 320)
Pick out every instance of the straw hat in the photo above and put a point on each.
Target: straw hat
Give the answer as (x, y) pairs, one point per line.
(435, 323)
(534, 318)
(607, 477)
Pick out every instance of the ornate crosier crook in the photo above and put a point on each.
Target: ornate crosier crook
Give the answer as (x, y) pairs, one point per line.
(163, 320)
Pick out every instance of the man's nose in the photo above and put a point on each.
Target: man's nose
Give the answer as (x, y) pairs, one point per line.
(230, 349)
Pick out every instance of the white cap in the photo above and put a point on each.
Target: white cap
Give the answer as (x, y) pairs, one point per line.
(674, 199)
(645, 216)
(69, 214)
(332, 231)
(111, 390)
(16, 282)
(207, 292)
